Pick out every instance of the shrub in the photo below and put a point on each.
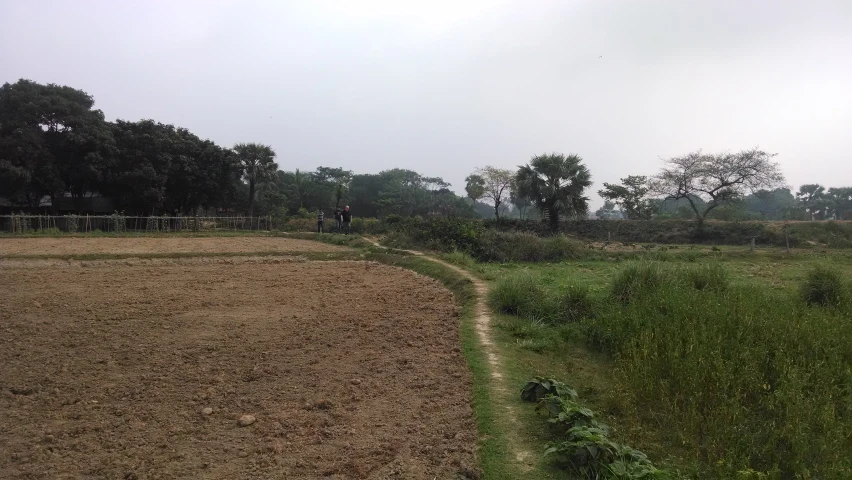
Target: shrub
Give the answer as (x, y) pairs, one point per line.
(708, 276)
(635, 279)
(574, 303)
(824, 286)
(460, 258)
(497, 246)
(582, 445)
(520, 295)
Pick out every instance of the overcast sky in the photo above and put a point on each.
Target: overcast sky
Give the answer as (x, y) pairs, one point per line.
(442, 87)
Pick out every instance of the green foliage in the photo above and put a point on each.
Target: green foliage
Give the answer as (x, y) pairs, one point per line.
(555, 183)
(631, 196)
(637, 279)
(574, 303)
(523, 294)
(540, 387)
(582, 444)
(520, 294)
(824, 286)
(497, 246)
(750, 374)
(710, 276)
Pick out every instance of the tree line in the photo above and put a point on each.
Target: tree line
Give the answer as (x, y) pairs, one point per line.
(744, 185)
(54, 143)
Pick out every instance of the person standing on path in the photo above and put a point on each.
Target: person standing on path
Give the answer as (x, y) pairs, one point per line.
(320, 220)
(346, 216)
(338, 218)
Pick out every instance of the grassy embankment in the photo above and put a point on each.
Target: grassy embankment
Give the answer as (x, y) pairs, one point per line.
(718, 364)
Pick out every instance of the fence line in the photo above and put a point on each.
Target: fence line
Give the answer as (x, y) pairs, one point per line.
(28, 224)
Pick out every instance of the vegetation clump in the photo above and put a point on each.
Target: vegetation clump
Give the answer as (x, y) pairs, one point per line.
(581, 442)
(824, 286)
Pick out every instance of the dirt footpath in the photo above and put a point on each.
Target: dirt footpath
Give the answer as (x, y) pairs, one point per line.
(140, 245)
(349, 369)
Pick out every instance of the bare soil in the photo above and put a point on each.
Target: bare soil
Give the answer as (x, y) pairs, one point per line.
(142, 245)
(144, 370)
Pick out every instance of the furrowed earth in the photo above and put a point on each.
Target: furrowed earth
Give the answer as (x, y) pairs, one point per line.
(230, 367)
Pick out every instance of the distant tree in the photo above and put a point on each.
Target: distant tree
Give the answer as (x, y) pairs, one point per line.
(841, 202)
(718, 179)
(777, 204)
(497, 185)
(475, 187)
(813, 199)
(520, 202)
(555, 184)
(631, 196)
(607, 211)
(258, 163)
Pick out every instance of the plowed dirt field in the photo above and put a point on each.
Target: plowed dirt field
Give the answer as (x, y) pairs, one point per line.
(143, 245)
(143, 369)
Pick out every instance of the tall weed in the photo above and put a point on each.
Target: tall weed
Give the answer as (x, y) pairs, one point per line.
(824, 286)
(749, 378)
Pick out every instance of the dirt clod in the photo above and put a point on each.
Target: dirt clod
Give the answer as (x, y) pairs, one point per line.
(246, 420)
(207, 411)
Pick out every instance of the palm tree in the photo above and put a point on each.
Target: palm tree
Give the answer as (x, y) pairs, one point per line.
(555, 184)
(258, 163)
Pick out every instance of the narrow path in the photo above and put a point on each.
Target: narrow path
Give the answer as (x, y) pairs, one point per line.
(482, 321)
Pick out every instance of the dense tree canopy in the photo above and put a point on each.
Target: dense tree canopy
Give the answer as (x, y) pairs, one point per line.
(555, 183)
(53, 143)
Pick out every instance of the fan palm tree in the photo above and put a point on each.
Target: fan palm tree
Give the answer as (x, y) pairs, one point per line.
(258, 164)
(554, 183)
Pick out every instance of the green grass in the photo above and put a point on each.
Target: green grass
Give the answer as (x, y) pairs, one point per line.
(713, 366)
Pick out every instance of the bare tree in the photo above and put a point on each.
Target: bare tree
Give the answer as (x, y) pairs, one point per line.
(498, 184)
(717, 179)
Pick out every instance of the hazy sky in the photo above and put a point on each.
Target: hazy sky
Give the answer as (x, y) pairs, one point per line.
(442, 87)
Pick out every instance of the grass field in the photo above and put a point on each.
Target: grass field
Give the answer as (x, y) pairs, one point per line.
(710, 361)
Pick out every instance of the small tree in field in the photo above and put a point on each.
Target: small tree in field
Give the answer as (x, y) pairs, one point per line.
(498, 184)
(555, 184)
(717, 179)
(631, 196)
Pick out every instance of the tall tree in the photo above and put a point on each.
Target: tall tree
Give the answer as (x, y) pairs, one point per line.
(840, 199)
(258, 163)
(475, 187)
(812, 199)
(631, 196)
(555, 183)
(52, 138)
(498, 184)
(717, 179)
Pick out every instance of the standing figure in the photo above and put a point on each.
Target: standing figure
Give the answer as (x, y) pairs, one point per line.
(338, 218)
(320, 220)
(347, 219)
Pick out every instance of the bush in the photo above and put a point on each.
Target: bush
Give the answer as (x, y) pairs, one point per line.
(824, 286)
(635, 279)
(497, 246)
(708, 276)
(574, 303)
(520, 295)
